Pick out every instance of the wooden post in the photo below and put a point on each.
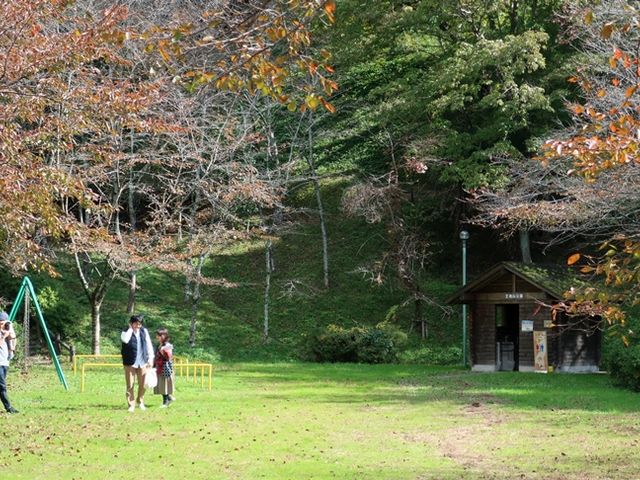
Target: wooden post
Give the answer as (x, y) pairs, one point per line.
(57, 341)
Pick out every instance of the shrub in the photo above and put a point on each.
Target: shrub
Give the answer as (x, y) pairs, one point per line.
(432, 355)
(623, 362)
(334, 344)
(199, 355)
(364, 344)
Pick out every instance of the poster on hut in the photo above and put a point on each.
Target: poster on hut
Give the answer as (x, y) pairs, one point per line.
(541, 362)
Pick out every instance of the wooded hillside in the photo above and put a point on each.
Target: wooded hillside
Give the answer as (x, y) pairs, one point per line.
(248, 173)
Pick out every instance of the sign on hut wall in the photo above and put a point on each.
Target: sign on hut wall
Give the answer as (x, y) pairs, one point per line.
(540, 359)
(514, 296)
(527, 325)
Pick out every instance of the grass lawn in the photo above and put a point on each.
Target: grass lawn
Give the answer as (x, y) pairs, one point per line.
(308, 421)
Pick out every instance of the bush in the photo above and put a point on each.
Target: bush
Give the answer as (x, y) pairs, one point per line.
(432, 355)
(366, 344)
(623, 362)
(199, 355)
(334, 344)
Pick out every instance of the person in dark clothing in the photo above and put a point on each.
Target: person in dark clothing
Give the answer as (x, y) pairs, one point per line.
(137, 356)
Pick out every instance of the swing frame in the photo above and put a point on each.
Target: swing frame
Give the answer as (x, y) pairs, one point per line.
(26, 288)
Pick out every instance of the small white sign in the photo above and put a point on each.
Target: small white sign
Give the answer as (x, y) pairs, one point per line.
(548, 324)
(514, 296)
(527, 325)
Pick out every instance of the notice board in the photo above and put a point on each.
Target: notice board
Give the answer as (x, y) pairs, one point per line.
(540, 359)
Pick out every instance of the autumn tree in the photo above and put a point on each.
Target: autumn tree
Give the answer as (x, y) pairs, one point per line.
(81, 115)
(603, 148)
(38, 42)
(409, 251)
(231, 168)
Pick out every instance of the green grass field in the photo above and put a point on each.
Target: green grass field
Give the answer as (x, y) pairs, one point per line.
(309, 421)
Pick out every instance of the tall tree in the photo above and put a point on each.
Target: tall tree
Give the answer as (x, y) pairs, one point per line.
(48, 75)
(452, 85)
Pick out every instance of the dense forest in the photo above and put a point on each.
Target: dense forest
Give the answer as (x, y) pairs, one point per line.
(263, 177)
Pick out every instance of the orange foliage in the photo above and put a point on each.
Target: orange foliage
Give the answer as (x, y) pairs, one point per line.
(55, 102)
(608, 137)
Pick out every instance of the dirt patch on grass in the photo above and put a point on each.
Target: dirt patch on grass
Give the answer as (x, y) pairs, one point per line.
(469, 444)
(475, 445)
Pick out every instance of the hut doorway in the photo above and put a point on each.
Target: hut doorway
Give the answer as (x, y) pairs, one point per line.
(507, 336)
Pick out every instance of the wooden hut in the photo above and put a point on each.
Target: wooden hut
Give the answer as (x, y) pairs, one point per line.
(511, 325)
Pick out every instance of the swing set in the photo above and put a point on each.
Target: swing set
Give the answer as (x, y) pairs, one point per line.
(27, 295)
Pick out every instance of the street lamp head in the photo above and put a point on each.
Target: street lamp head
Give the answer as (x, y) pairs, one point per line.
(464, 235)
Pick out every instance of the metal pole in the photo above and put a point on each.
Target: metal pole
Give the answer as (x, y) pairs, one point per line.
(26, 336)
(464, 236)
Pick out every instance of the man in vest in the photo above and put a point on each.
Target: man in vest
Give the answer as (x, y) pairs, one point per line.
(6, 336)
(137, 356)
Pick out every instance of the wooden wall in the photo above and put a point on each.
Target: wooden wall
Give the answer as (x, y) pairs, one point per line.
(530, 310)
(483, 334)
(579, 347)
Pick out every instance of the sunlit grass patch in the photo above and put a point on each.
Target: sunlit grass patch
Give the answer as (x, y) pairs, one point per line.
(297, 421)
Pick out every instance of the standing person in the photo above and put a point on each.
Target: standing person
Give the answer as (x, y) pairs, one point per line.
(137, 354)
(5, 338)
(164, 367)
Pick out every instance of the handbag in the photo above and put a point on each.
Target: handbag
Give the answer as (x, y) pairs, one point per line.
(167, 368)
(151, 378)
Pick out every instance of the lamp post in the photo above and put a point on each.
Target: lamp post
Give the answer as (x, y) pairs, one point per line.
(464, 236)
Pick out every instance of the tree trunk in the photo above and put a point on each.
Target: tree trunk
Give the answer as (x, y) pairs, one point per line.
(95, 326)
(323, 230)
(323, 224)
(417, 316)
(513, 17)
(195, 301)
(133, 276)
(187, 290)
(131, 304)
(525, 246)
(267, 287)
(194, 315)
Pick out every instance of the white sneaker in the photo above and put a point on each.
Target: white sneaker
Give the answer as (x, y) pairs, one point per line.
(164, 405)
(142, 407)
(130, 409)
